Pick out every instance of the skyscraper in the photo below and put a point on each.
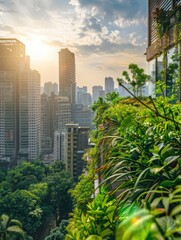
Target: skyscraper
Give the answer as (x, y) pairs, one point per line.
(19, 103)
(50, 88)
(55, 113)
(96, 92)
(109, 85)
(67, 82)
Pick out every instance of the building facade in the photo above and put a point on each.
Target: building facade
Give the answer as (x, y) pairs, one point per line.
(109, 85)
(67, 81)
(19, 90)
(96, 92)
(76, 142)
(50, 88)
(29, 115)
(55, 113)
(83, 116)
(164, 26)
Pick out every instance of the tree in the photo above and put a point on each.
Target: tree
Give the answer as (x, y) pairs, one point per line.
(10, 228)
(22, 176)
(58, 187)
(23, 205)
(137, 79)
(58, 232)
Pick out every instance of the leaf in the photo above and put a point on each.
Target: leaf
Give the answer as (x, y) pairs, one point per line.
(138, 228)
(110, 209)
(156, 169)
(155, 202)
(171, 159)
(139, 177)
(94, 237)
(166, 223)
(167, 183)
(176, 210)
(166, 202)
(106, 232)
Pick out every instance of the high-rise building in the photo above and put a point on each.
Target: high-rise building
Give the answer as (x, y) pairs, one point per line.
(59, 146)
(96, 92)
(50, 88)
(109, 85)
(19, 91)
(83, 97)
(67, 81)
(76, 142)
(29, 115)
(83, 116)
(55, 113)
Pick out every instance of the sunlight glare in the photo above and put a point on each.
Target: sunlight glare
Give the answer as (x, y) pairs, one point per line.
(38, 50)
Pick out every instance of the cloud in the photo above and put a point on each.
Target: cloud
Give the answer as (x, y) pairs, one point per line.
(106, 25)
(96, 25)
(7, 28)
(110, 10)
(109, 47)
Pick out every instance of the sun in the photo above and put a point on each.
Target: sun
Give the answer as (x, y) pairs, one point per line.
(38, 50)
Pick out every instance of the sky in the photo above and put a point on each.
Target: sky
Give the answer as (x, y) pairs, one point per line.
(105, 35)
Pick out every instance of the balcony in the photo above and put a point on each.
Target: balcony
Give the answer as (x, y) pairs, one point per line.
(168, 28)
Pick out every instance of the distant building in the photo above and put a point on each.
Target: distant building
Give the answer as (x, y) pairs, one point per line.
(55, 113)
(59, 146)
(48, 123)
(29, 116)
(96, 93)
(67, 81)
(83, 116)
(109, 85)
(83, 97)
(50, 88)
(102, 94)
(76, 142)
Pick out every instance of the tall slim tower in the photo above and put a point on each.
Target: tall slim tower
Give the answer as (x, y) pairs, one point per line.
(67, 83)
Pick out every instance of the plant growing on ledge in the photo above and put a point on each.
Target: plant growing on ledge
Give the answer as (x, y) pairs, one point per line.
(160, 17)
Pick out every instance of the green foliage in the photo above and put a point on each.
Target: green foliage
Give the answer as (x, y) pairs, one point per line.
(32, 193)
(10, 228)
(59, 184)
(58, 232)
(82, 191)
(137, 79)
(138, 155)
(98, 222)
(23, 206)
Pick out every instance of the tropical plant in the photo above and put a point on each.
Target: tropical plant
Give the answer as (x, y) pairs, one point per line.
(98, 222)
(10, 228)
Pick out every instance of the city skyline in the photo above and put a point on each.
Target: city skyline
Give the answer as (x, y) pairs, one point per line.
(104, 37)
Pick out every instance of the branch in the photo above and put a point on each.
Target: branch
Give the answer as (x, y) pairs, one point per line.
(155, 111)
